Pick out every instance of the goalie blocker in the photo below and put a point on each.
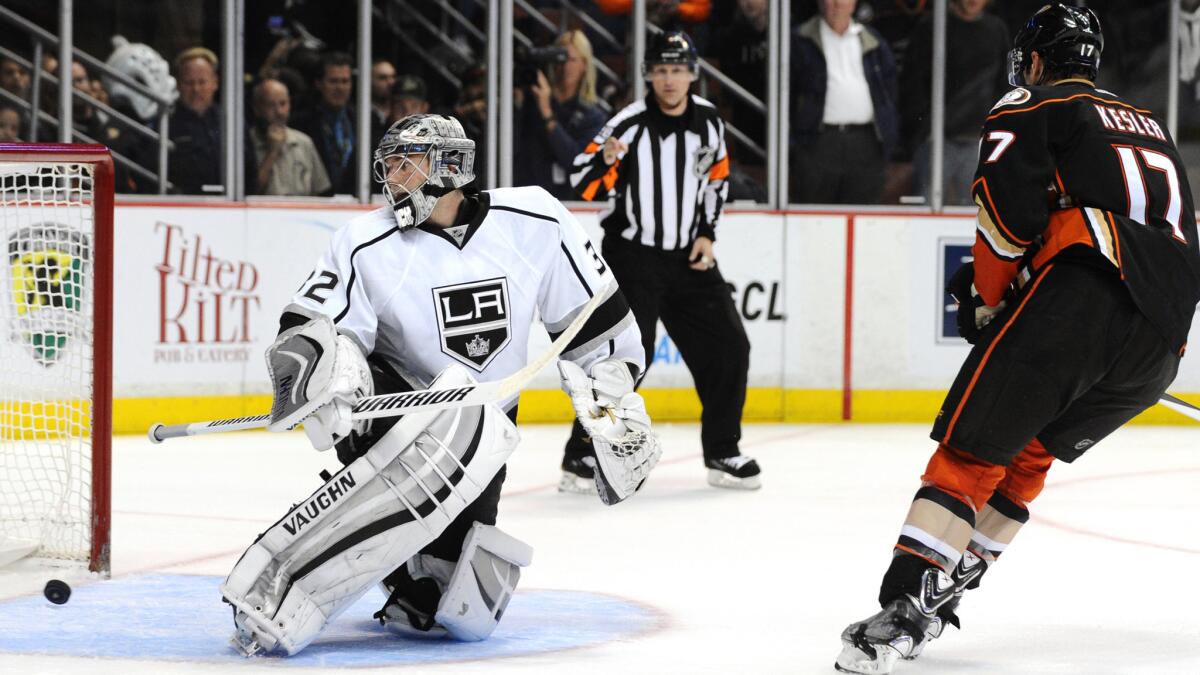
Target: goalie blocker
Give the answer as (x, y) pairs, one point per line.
(373, 515)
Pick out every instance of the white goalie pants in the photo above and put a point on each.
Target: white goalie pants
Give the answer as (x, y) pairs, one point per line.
(369, 518)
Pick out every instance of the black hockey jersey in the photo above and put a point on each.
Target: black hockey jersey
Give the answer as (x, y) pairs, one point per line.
(1071, 171)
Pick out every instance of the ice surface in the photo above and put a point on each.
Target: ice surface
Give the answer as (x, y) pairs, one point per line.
(683, 578)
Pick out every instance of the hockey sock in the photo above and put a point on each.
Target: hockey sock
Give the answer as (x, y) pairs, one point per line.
(1006, 510)
(995, 527)
(941, 519)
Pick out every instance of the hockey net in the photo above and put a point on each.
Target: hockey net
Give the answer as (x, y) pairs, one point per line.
(56, 206)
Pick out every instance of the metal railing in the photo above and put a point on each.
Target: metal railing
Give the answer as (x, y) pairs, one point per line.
(42, 37)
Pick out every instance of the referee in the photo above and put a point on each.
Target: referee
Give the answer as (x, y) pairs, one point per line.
(662, 163)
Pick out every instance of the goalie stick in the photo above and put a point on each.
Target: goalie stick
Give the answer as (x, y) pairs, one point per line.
(421, 400)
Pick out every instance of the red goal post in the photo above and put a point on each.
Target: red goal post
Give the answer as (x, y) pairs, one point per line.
(56, 224)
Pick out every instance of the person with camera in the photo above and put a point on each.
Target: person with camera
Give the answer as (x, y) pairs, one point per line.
(556, 117)
(662, 162)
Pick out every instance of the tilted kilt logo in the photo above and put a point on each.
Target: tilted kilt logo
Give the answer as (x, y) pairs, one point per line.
(473, 320)
(47, 263)
(205, 302)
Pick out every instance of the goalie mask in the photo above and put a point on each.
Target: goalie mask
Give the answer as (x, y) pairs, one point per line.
(419, 159)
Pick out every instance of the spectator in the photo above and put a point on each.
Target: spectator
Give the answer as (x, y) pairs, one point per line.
(556, 120)
(84, 117)
(289, 163)
(976, 78)
(662, 12)
(14, 77)
(148, 68)
(409, 97)
(383, 76)
(142, 64)
(471, 109)
(10, 123)
(741, 46)
(195, 125)
(97, 90)
(330, 123)
(843, 107)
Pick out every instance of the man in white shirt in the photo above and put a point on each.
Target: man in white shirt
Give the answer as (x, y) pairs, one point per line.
(844, 113)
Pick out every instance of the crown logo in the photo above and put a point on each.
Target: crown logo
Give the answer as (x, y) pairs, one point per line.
(478, 347)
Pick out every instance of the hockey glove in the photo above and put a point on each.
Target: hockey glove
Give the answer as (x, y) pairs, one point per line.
(973, 315)
(615, 418)
(317, 376)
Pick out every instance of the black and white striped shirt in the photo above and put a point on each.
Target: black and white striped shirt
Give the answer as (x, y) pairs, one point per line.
(669, 187)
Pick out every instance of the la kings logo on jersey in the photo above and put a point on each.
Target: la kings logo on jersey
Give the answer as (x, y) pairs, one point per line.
(473, 319)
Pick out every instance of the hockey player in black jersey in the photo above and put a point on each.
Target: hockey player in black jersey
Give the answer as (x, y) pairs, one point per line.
(1085, 277)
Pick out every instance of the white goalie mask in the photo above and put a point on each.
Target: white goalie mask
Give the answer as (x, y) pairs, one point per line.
(419, 159)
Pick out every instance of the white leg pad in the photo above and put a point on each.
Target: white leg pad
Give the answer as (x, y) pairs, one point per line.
(483, 583)
(371, 516)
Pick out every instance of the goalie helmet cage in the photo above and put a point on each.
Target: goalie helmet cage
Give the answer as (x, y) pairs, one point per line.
(56, 220)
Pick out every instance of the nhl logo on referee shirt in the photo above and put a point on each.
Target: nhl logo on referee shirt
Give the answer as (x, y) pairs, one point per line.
(473, 319)
(703, 160)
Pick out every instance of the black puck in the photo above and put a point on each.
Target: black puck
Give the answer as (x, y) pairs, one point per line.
(57, 591)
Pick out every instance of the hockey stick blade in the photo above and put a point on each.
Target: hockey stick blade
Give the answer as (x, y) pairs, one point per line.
(1180, 406)
(421, 400)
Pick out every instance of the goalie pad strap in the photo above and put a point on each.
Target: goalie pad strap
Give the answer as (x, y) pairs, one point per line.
(373, 514)
(395, 520)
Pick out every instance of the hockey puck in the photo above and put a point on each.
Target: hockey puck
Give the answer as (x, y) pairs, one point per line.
(57, 591)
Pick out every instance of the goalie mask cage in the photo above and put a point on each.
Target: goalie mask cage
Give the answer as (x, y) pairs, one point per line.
(56, 215)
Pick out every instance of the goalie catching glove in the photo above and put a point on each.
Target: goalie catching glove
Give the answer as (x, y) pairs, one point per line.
(317, 376)
(615, 418)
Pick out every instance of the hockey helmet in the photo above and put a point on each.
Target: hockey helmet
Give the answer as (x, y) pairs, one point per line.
(671, 47)
(146, 67)
(450, 164)
(1067, 38)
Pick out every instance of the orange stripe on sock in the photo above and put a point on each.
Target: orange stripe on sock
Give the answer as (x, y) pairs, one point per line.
(909, 551)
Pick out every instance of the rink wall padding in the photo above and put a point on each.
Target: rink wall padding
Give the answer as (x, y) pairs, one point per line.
(845, 312)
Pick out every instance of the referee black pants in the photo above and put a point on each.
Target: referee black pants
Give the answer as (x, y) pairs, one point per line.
(698, 312)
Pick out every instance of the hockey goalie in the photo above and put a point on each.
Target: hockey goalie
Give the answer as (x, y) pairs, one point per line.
(438, 289)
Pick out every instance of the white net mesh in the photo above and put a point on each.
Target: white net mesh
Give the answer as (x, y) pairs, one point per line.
(47, 229)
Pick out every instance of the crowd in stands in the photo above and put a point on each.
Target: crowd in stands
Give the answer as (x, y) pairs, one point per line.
(859, 111)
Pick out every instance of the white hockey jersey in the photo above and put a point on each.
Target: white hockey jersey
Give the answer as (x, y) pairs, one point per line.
(422, 300)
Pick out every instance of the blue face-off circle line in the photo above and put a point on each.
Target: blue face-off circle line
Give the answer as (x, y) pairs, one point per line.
(180, 618)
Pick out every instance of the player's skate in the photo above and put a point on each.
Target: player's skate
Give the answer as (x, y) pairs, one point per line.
(899, 631)
(738, 472)
(577, 477)
(965, 576)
